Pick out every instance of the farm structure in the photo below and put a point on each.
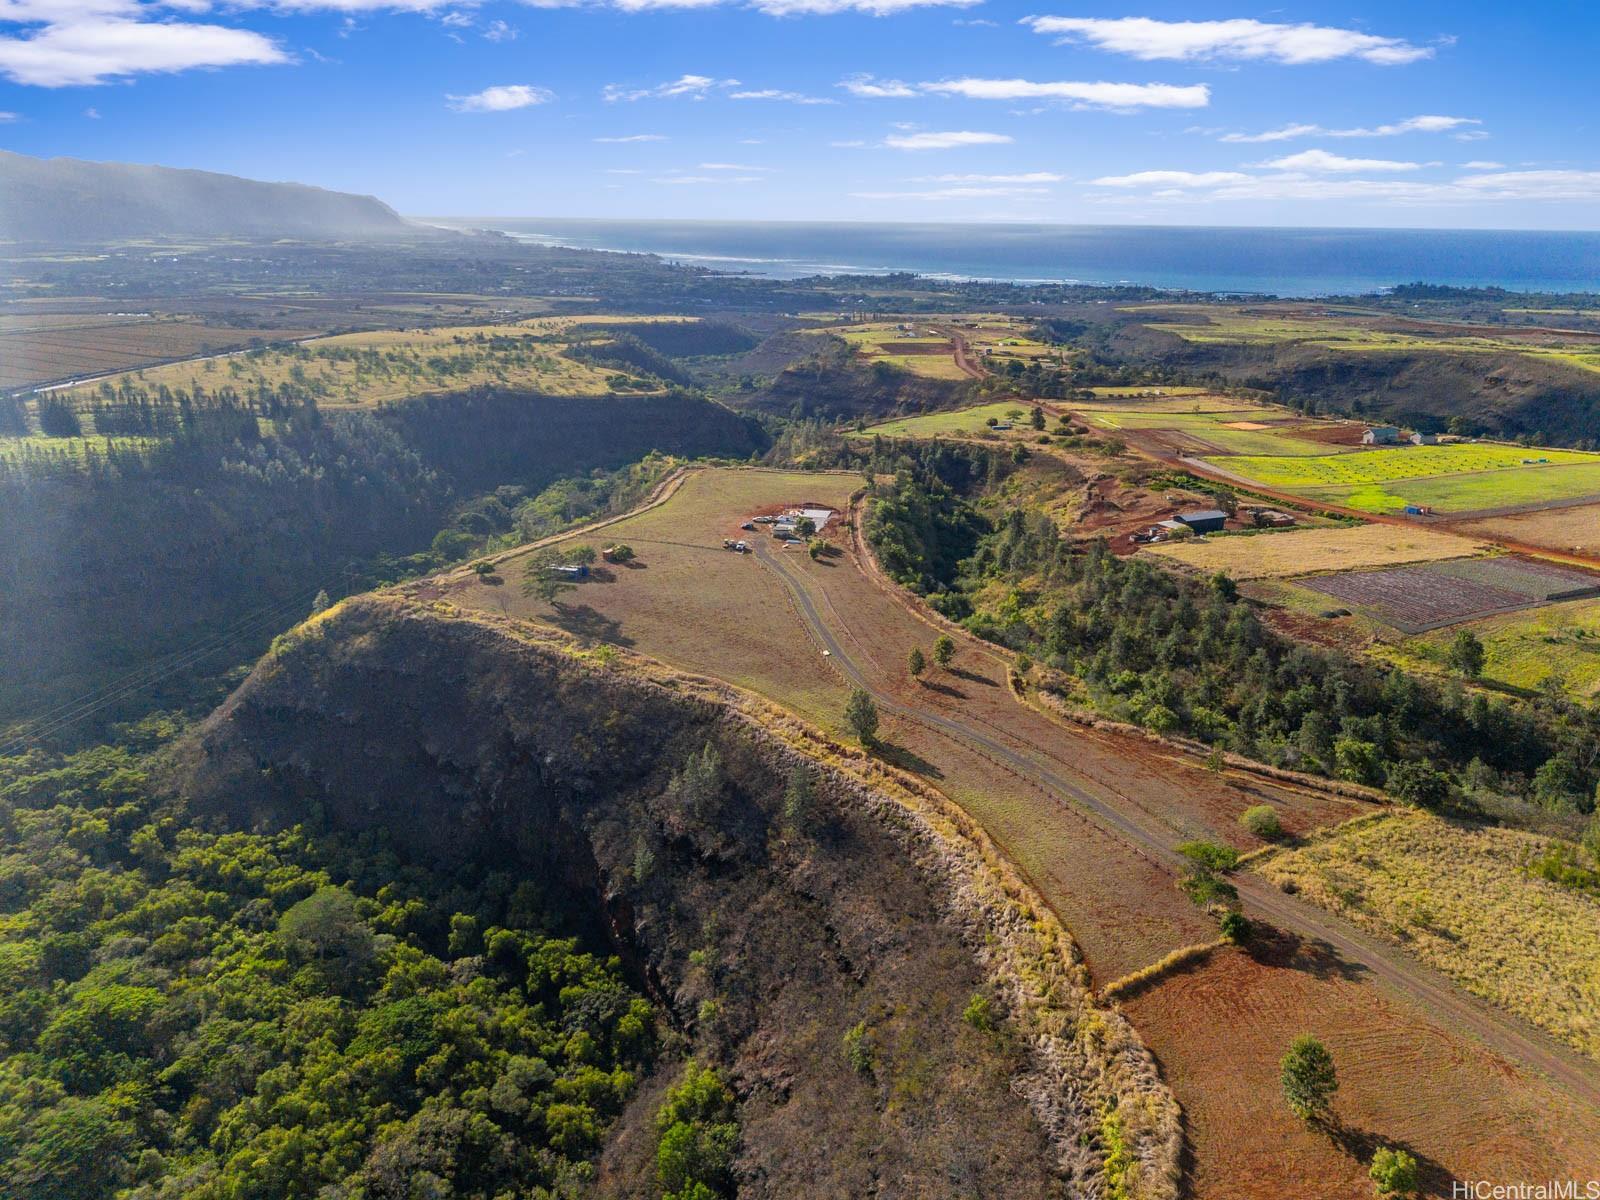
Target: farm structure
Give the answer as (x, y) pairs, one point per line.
(1426, 596)
(1381, 435)
(1204, 520)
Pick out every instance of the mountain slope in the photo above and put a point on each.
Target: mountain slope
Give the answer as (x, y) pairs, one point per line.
(70, 200)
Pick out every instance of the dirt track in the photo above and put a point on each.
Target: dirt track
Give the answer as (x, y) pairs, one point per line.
(1158, 840)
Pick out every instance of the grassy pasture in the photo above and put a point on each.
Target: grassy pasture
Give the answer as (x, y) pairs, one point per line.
(1457, 897)
(1575, 527)
(966, 422)
(361, 370)
(1297, 552)
(1467, 493)
(883, 342)
(1216, 429)
(1557, 643)
(1395, 463)
(687, 600)
(1353, 332)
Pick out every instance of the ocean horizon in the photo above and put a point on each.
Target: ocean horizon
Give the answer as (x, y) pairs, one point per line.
(1232, 259)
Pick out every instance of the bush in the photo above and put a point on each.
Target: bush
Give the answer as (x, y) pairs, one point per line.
(1235, 927)
(1309, 1078)
(1262, 820)
(979, 1013)
(1205, 889)
(1210, 855)
(858, 1048)
(1418, 784)
(1393, 1172)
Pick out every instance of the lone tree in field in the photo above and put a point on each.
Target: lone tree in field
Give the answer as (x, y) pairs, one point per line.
(1309, 1078)
(539, 578)
(1037, 418)
(861, 714)
(944, 649)
(1466, 654)
(1393, 1172)
(915, 662)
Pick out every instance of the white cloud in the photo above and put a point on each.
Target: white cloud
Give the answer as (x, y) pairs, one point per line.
(1321, 162)
(634, 137)
(1534, 185)
(696, 87)
(502, 98)
(1145, 38)
(877, 89)
(1171, 179)
(948, 140)
(1480, 164)
(776, 94)
(722, 166)
(1422, 124)
(953, 193)
(1086, 95)
(92, 113)
(499, 31)
(1023, 177)
(7, 118)
(94, 43)
(691, 179)
(775, 8)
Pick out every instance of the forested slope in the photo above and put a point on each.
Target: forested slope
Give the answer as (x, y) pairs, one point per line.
(117, 558)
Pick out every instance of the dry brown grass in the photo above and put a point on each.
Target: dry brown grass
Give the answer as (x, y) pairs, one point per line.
(1457, 896)
(1297, 552)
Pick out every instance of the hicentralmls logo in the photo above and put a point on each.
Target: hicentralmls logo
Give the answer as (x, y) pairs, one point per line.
(1554, 1189)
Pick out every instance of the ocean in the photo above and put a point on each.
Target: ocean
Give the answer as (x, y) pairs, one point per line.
(1285, 262)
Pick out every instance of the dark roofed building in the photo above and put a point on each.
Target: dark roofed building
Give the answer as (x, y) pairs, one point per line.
(1205, 520)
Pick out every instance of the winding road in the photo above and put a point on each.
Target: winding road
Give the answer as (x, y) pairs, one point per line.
(1044, 766)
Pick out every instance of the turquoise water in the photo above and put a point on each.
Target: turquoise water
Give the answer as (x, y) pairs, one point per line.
(1286, 262)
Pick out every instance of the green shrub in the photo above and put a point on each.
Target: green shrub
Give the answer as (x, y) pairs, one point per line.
(1210, 855)
(858, 1048)
(1309, 1078)
(1393, 1172)
(1262, 820)
(979, 1013)
(1235, 927)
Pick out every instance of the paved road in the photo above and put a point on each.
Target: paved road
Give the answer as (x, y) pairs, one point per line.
(1432, 991)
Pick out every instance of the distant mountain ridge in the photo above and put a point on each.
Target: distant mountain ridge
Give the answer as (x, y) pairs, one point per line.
(68, 200)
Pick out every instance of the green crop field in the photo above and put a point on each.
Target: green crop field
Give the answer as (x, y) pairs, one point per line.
(1527, 649)
(1400, 462)
(1274, 434)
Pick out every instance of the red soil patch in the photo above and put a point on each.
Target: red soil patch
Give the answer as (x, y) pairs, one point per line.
(1333, 435)
(1219, 1030)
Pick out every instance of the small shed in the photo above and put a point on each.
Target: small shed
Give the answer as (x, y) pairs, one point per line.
(1424, 439)
(1381, 435)
(1205, 520)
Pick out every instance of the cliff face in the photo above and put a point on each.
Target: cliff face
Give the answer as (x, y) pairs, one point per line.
(478, 739)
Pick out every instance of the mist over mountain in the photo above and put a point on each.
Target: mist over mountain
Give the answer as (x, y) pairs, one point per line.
(71, 200)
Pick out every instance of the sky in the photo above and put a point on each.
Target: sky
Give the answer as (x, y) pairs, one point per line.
(1472, 114)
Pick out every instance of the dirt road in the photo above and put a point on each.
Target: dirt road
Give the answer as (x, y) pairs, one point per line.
(1045, 761)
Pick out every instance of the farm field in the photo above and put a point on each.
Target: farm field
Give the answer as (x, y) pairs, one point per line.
(1559, 643)
(34, 349)
(1457, 896)
(362, 370)
(1417, 598)
(1243, 430)
(921, 351)
(1218, 1029)
(965, 422)
(1355, 332)
(1453, 478)
(1298, 551)
(1573, 527)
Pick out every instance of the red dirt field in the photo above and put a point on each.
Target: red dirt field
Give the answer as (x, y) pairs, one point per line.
(1217, 1030)
(1332, 435)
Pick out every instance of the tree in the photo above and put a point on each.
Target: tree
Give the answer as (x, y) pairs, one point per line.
(1037, 418)
(944, 649)
(1419, 784)
(1309, 1078)
(621, 553)
(805, 527)
(861, 714)
(540, 578)
(1591, 839)
(915, 662)
(320, 603)
(1393, 1172)
(1466, 654)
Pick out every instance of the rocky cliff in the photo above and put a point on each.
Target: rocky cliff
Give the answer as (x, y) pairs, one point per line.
(827, 955)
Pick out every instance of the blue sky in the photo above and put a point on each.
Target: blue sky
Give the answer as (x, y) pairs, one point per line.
(1468, 114)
